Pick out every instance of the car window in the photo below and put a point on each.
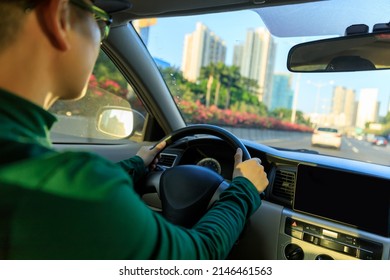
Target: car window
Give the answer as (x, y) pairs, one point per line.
(325, 129)
(228, 70)
(109, 112)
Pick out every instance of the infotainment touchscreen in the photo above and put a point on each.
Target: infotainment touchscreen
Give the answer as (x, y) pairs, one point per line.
(358, 200)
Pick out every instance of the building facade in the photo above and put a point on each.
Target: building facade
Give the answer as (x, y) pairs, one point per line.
(343, 108)
(368, 107)
(282, 92)
(256, 58)
(201, 48)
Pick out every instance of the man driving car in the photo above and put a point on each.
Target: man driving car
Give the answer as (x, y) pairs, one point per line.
(77, 205)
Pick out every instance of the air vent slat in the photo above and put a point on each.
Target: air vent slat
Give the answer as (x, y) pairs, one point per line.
(167, 159)
(284, 183)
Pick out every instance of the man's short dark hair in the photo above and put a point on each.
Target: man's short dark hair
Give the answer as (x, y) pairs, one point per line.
(12, 14)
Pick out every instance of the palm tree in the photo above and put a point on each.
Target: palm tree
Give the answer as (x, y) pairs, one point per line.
(209, 72)
(220, 69)
(230, 78)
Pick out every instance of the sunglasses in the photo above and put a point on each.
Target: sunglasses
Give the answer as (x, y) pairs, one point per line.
(102, 18)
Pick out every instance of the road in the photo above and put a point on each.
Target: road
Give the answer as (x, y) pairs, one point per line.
(350, 148)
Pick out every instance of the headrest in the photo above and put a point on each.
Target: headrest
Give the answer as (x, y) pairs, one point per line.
(350, 63)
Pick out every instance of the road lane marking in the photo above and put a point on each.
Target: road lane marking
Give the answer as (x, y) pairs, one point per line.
(355, 150)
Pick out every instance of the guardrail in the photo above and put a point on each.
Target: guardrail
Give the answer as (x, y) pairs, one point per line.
(254, 134)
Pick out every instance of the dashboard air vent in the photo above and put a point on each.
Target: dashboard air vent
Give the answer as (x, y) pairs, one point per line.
(167, 160)
(283, 185)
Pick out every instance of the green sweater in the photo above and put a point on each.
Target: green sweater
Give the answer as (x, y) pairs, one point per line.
(77, 205)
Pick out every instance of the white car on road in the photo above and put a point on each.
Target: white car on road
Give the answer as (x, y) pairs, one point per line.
(326, 136)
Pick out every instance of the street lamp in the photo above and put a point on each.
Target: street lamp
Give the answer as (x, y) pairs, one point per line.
(295, 98)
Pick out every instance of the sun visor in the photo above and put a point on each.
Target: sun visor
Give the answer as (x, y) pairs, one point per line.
(112, 6)
(322, 18)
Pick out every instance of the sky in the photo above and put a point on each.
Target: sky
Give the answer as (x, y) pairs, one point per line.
(166, 40)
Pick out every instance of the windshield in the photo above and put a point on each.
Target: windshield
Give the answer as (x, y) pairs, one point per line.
(227, 69)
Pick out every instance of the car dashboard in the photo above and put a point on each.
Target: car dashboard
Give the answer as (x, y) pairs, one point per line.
(314, 207)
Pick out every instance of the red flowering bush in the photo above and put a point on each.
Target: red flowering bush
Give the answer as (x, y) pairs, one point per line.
(196, 112)
(93, 81)
(110, 86)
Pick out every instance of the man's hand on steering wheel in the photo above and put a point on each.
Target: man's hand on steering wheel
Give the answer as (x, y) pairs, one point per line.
(250, 169)
(150, 154)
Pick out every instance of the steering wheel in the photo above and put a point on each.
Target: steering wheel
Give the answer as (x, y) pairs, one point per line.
(187, 191)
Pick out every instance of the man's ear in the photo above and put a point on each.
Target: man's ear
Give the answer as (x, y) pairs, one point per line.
(55, 22)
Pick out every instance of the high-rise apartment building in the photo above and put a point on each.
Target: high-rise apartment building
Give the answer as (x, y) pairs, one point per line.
(237, 54)
(368, 107)
(257, 61)
(343, 109)
(201, 48)
(282, 92)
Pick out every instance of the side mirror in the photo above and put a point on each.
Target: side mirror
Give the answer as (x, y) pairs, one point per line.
(119, 122)
(362, 52)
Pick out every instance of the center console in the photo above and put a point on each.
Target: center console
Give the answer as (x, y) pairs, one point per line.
(349, 245)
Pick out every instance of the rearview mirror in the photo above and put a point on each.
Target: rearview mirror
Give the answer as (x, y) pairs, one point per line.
(119, 122)
(349, 53)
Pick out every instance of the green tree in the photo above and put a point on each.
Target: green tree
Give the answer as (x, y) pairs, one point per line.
(211, 73)
(224, 84)
(230, 79)
(281, 113)
(178, 85)
(106, 70)
(249, 85)
(387, 118)
(300, 118)
(228, 86)
(284, 114)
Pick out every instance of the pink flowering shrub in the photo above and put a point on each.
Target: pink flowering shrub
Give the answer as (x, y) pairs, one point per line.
(101, 87)
(196, 112)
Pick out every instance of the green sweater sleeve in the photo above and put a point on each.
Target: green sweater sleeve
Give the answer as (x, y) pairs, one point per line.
(134, 166)
(79, 206)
